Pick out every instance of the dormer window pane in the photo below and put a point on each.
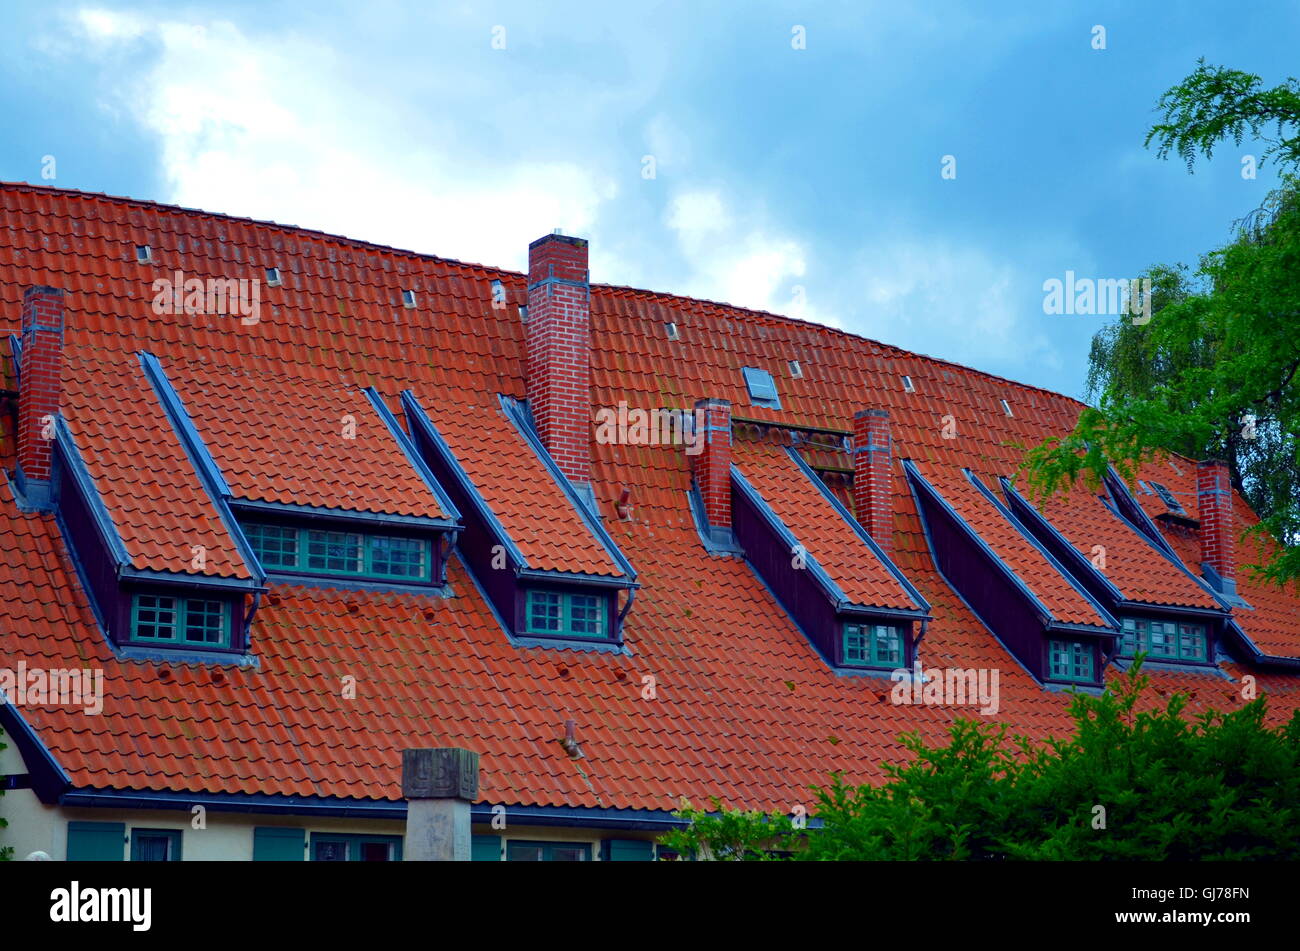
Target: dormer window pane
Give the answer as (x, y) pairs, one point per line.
(872, 645)
(204, 622)
(585, 615)
(1192, 642)
(397, 557)
(1071, 660)
(155, 617)
(334, 551)
(543, 612)
(275, 545)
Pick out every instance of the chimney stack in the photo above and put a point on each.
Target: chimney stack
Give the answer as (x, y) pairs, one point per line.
(711, 466)
(559, 351)
(873, 495)
(40, 392)
(1218, 535)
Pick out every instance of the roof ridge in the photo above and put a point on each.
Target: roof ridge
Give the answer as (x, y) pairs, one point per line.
(897, 351)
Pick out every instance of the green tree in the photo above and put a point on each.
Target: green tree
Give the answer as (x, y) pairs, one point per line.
(1213, 373)
(1136, 780)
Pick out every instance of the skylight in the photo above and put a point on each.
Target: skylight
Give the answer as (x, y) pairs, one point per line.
(672, 331)
(143, 253)
(273, 277)
(762, 388)
(1168, 498)
(1006, 408)
(408, 298)
(908, 386)
(796, 370)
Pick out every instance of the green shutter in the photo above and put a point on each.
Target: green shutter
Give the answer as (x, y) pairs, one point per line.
(485, 848)
(629, 850)
(278, 844)
(96, 841)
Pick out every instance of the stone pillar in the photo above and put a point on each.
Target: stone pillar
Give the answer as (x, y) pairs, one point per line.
(438, 786)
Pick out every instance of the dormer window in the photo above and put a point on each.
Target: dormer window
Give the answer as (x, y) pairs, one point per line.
(872, 645)
(171, 621)
(1164, 640)
(566, 615)
(1071, 661)
(289, 548)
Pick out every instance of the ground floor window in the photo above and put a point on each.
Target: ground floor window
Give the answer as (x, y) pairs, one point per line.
(155, 845)
(548, 852)
(356, 848)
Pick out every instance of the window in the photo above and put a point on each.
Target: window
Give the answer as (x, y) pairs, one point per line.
(672, 331)
(872, 645)
(143, 253)
(1168, 498)
(286, 548)
(762, 388)
(273, 277)
(155, 845)
(908, 385)
(553, 614)
(1006, 408)
(184, 622)
(356, 848)
(796, 370)
(1164, 640)
(1071, 660)
(548, 852)
(408, 299)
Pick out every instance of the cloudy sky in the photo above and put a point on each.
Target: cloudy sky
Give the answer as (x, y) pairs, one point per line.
(784, 156)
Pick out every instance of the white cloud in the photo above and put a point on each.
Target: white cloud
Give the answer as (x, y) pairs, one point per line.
(278, 130)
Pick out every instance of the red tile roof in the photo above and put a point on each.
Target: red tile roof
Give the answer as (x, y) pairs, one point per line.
(744, 707)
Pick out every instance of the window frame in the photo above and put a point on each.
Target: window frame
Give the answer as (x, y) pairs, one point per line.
(368, 544)
(1176, 631)
(870, 631)
(548, 849)
(1073, 676)
(352, 843)
(180, 611)
(565, 619)
(174, 839)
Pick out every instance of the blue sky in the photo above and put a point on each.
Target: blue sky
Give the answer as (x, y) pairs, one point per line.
(803, 181)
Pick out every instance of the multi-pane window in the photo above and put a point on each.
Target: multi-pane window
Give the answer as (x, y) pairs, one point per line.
(547, 852)
(285, 548)
(164, 619)
(553, 614)
(356, 848)
(872, 645)
(1070, 660)
(1164, 640)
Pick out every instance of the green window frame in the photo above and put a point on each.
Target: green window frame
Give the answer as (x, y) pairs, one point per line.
(520, 850)
(342, 847)
(561, 614)
(1071, 660)
(181, 622)
(872, 645)
(1164, 640)
(155, 845)
(332, 552)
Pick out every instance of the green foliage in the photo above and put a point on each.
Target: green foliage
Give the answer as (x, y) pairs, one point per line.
(1214, 103)
(729, 835)
(1129, 784)
(1213, 373)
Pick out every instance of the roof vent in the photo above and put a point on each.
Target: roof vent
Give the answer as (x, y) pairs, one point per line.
(762, 388)
(498, 295)
(672, 331)
(273, 277)
(908, 386)
(1168, 498)
(408, 299)
(796, 371)
(1006, 408)
(143, 254)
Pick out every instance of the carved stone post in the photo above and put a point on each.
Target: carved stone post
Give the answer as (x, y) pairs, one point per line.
(438, 786)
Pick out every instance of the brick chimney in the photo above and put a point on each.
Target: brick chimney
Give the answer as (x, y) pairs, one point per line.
(1218, 535)
(711, 466)
(40, 392)
(559, 351)
(873, 495)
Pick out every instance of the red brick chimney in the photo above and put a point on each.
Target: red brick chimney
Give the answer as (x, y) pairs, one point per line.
(559, 351)
(40, 392)
(873, 495)
(711, 466)
(1218, 535)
